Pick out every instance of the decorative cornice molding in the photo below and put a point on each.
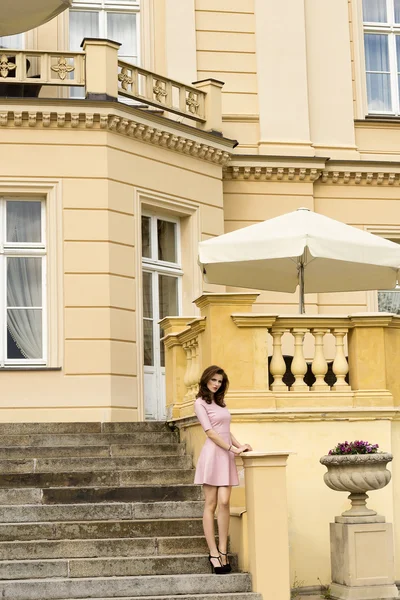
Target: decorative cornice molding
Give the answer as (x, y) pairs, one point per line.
(144, 132)
(354, 173)
(271, 173)
(358, 177)
(293, 415)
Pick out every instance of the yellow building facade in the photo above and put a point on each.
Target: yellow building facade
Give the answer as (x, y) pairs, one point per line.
(173, 123)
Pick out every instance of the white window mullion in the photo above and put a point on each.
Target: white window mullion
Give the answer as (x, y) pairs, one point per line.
(103, 24)
(3, 275)
(390, 10)
(44, 310)
(393, 73)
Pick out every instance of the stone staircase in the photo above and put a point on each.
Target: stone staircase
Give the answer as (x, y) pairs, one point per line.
(90, 510)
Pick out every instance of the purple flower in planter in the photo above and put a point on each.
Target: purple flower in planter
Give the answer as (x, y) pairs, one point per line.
(356, 447)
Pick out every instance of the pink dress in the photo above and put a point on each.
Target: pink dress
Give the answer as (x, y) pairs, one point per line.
(215, 466)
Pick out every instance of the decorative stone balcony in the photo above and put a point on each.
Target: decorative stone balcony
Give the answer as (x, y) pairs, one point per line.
(282, 362)
(102, 76)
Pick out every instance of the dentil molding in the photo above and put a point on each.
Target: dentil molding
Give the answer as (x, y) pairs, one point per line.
(355, 174)
(144, 132)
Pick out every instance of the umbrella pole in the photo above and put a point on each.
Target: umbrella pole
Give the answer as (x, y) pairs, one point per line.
(301, 287)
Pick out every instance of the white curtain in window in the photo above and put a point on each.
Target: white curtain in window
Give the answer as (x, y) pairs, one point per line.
(24, 290)
(121, 27)
(24, 221)
(374, 11)
(378, 72)
(82, 24)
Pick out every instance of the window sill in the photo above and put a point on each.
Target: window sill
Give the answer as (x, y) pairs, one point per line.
(29, 368)
(379, 118)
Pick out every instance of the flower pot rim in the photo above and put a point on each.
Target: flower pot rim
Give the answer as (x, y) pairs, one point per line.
(355, 459)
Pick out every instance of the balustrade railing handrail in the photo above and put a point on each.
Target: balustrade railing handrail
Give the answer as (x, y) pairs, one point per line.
(289, 321)
(65, 68)
(298, 326)
(53, 68)
(158, 90)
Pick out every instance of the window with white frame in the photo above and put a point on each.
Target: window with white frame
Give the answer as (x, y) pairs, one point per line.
(382, 55)
(22, 282)
(162, 274)
(116, 20)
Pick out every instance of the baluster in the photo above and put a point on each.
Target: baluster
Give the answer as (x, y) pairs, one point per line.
(187, 379)
(278, 365)
(299, 365)
(340, 365)
(319, 365)
(168, 89)
(135, 82)
(182, 99)
(193, 370)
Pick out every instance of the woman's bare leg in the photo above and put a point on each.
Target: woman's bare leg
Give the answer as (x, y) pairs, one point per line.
(210, 504)
(224, 495)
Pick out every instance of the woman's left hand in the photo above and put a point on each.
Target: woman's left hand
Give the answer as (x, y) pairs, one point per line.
(247, 448)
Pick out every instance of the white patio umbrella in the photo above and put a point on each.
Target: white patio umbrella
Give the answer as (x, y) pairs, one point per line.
(301, 248)
(21, 15)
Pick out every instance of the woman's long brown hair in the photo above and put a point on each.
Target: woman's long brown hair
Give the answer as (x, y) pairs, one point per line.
(205, 393)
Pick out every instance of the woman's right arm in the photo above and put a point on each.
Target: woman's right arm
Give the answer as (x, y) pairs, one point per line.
(213, 436)
(201, 413)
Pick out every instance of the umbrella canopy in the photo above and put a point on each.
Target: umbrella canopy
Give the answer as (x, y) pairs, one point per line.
(21, 15)
(301, 247)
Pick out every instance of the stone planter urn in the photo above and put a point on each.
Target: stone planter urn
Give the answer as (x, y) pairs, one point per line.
(357, 474)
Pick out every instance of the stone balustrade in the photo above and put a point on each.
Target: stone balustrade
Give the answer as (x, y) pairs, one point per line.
(45, 68)
(282, 362)
(103, 76)
(168, 94)
(320, 328)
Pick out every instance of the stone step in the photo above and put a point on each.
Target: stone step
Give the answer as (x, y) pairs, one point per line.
(73, 465)
(124, 587)
(20, 496)
(31, 513)
(61, 530)
(95, 427)
(96, 479)
(113, 451)
(89, 439)
(150, 546)
(139, 493)
(107, 567)
(228, 596)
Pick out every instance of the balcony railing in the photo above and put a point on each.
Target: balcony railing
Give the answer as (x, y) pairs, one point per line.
(276, 362)
(102, 75)
(321, 339)
(153, 89)
(44, 68)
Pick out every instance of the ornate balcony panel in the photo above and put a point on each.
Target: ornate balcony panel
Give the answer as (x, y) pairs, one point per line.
(170, 95)
(43, 68)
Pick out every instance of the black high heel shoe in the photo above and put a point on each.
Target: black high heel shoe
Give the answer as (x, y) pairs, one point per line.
(217, 570)
(226, 566)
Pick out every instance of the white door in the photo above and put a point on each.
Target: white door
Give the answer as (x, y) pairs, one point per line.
(161, 298)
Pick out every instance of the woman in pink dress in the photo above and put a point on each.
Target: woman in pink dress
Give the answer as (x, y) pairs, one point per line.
(216, 470)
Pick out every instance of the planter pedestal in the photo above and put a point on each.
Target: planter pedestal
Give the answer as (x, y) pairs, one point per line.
(362, 559)
(362, 553)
